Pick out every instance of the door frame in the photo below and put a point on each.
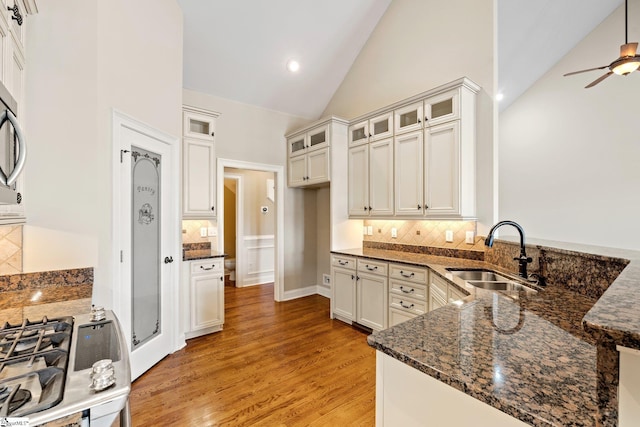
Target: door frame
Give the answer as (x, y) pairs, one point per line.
(278, 171)
(121, 120)
(239, 214)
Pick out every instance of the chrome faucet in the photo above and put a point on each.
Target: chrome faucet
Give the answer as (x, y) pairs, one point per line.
(523, 260)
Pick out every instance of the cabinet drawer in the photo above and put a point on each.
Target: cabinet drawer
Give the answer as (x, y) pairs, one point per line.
(408, 273)
(207, 266)
(343, 261)
(398, 316)
(409, 305)
(408, 289)
(373, 267)
(439, 285)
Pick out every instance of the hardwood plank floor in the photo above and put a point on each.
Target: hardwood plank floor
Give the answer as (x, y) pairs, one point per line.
(274, 364)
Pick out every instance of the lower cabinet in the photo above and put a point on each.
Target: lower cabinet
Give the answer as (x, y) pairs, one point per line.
(441, 293)
(206, 296)
(407, 292)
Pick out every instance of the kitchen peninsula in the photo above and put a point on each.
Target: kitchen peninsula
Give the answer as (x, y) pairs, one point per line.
(525, 354)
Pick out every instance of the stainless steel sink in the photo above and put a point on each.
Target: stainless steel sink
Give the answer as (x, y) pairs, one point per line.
(475, 274)
(487, 279)
(499, 286)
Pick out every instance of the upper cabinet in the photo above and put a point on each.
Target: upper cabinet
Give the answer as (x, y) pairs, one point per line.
(310, 151)
(374, 129)
(433, 173)
(198, 163)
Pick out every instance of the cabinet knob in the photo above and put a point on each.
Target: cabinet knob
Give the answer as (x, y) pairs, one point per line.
(221, 279)
(426, 206)
(419, 121)
(213, 208)
(370, 135)
(369, 208)
(213, 134)
(419, 207)
(353, 277)
(168, 259)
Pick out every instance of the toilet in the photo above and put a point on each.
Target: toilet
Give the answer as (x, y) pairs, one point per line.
(230, 268)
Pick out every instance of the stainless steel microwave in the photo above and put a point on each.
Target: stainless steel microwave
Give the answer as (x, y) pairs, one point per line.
(12, 148)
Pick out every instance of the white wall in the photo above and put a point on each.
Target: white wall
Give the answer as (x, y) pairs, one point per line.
(421, 44)
(569, 156)
(85, 57)
(253, 134)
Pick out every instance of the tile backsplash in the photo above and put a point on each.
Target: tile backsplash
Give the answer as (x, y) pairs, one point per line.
(425, 233)
(191, 231)
(10, 249)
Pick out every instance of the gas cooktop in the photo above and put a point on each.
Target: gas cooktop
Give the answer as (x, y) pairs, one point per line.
(33, 364)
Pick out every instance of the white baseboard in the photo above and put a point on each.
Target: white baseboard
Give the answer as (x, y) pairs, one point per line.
(306, 291)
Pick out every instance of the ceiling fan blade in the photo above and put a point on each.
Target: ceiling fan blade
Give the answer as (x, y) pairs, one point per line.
(628, 49)
(584, 71)
(598, 80)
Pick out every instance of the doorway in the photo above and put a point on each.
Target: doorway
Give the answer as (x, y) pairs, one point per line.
(253, 238)
(232, 188)
(146, 227)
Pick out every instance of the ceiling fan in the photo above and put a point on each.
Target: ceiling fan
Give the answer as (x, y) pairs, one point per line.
(628, 62)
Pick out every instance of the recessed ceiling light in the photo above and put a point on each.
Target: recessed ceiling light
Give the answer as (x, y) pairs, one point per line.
(499, 97)
(293, 65)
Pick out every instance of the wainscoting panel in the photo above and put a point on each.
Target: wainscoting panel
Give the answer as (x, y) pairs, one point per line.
(259, 259)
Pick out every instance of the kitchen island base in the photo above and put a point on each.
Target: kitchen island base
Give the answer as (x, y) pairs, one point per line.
(407, 397)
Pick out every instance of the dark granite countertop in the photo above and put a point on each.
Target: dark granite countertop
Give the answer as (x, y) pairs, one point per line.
(523, 353)
(196, 254)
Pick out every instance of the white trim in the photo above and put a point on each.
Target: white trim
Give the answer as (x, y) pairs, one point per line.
(239, 214)
(120, 121)
(259, 237)
(305, 292)
(278, 170)
(324, 291)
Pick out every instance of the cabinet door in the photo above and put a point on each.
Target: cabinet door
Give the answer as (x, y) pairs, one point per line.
(442, 108)
(453, 294)
(436, 300)
(343, 293)
(381, 127)
(207, 300)
(318, 166)
(297, 171)
(199, 179)
(408, 118)
(297, 145)
(408, 174)
(198, 125)
(359, 180)
(359, 133)
(442, 171)
(372, 301)
(318, 138)
(381, 178)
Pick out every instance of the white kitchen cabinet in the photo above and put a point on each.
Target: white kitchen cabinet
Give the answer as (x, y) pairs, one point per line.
(454, 294)
(409, 118)
(358, 181)
(408, 292)
(441, 292)
(381, 178)
(310, 168)
(343, 288)
(408, 172)
(198, 163)
(206, 296)
(372, 294)
(442, 108)
(374, 129)
(442, 160)
(313, 139)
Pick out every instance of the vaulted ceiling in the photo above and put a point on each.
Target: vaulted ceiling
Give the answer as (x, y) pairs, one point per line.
(239, 49)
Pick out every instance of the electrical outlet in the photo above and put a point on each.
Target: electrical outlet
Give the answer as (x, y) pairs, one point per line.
(469, 237)
(448, 235)
(212, 231)
(326, 279)
(394, 233)
(369, 230)
(203, 231)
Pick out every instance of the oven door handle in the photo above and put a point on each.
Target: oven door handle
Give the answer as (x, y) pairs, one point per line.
(22, 153)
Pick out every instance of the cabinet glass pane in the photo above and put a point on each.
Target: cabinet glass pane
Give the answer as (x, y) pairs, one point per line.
(408, 119)
(297, 145)
(382, 126)
(318, 138)
(198, 126)
(358, 134)
(442, 108)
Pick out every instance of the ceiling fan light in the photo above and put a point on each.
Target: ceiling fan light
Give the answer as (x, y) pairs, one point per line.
(627, 67)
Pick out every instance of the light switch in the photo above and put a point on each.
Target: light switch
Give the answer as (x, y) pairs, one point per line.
(448, 235)
(370, 230)
(394, 232)
(364, 230)
(469, 237)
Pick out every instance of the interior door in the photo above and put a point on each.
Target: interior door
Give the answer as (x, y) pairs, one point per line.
(147, 258)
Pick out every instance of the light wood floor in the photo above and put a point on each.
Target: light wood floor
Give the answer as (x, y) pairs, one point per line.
(274, 364)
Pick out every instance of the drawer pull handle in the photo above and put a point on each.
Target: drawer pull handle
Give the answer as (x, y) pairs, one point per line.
(208, 268)
(343, 262)
(374, 268)
(402, 273)
(406, 306)
(407, 292)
